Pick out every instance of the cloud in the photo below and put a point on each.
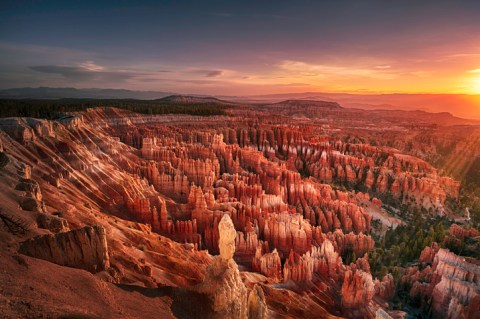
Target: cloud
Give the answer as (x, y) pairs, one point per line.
(214, 73)
(207, 73)
(91, 66)
(474, 71)
(69, 72)
(87, 71)
(321, 70)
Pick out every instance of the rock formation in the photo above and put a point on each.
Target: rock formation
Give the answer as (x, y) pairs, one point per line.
(257, 307)
(451, 287)
(323, 261)
(268, 264)
(53, 223)
(385, 288)
(254, 190)
(223, 285)
(357, 289)
(458, 284)
(428, 253)
(226, 243)
(84, 248)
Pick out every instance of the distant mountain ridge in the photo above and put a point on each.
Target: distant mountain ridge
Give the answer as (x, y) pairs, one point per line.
(440, 118)
(459, 105)
(60, 93)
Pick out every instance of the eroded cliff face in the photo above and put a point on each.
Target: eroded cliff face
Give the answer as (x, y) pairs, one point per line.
(457, 288)
(145, 178)
(84, 248)
(450, 288)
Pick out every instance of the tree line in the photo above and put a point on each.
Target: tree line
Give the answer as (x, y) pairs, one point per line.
(52, 109)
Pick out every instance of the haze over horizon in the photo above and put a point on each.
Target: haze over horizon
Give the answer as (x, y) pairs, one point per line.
(224, 48)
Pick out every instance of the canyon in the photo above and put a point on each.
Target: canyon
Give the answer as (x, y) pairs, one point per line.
(270, 211)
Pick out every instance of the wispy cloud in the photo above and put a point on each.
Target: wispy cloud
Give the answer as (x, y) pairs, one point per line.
(207, 73)
(474, 71)
(321, 70)
(214, 73)
(91, 66)
(84, 71)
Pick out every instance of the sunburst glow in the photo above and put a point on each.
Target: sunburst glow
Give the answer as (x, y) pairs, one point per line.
(476, 85)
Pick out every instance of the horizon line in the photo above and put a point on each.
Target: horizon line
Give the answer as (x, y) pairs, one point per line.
(239, 95)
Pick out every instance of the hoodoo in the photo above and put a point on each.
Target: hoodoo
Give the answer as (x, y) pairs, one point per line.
(233, 219)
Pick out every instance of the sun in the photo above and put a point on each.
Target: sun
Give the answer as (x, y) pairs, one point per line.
(476, 85)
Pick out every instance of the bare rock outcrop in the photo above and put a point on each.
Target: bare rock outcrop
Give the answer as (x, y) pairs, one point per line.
(461, 232)
(450, 288)
(223, 284)
(358, 288)
(268, 264)
(385, 288)
(32, 205)
(32, 199)
(30, 187)
(257, 306)
(458, 284)
(428, 253)
(382, 314)
(84, 248)
(226, 243)
(53, 223)
(323, 261)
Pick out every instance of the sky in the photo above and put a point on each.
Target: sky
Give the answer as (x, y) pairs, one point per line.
(243, 47)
